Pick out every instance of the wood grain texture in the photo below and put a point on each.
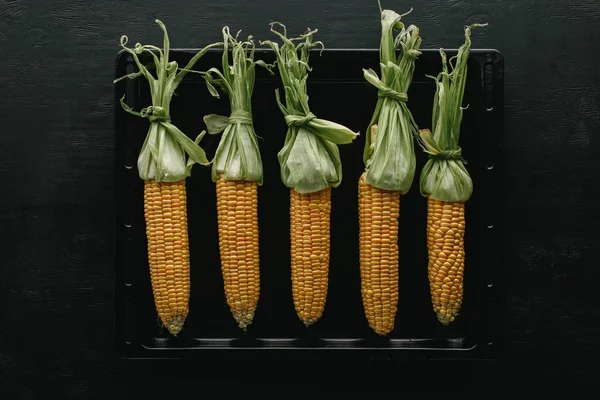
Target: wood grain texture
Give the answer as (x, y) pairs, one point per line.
(56, 149)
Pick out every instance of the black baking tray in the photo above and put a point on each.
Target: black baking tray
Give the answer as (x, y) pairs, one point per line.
(338, 92)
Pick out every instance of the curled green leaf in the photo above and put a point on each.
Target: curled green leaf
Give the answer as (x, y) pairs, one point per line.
(215, 124)
(212, 89)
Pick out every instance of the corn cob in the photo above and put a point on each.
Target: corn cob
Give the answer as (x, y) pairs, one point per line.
(447, 185)
(237, 172)
(379, 211)
(309, 233)
(238, 245)
(445, 243)
(389, 171)
(165, 213)
(310, 166)
(163, 167)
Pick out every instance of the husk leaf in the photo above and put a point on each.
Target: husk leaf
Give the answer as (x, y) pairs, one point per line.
(309, 159)
(237, 156)
(389, 148)
(163, 154)
(444, 176)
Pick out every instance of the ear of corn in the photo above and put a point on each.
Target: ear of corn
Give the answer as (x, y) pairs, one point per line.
(445, 244)
(237, 211)
(389, 171)
(163, 166)
(310, 166)
(237, 170)
(447, 185)
(309, 233)
(165, 213)
(379, 210)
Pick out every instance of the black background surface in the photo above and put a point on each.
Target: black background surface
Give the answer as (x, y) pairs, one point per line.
(56, 209)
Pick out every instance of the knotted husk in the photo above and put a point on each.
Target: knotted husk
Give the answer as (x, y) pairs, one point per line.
(309, 159)
(389, 154)
(238, 155)
(162, 157)
(444, 176)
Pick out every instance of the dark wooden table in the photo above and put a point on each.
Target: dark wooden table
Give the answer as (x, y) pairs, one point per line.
(56, 208)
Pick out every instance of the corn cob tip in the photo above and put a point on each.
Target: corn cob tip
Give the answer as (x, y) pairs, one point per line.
(381, 332)
(243, 318)
(309, 321)
(444, 319)
(176, 324)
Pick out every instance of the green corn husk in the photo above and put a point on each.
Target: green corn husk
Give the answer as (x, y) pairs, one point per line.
(389, 148)
(163, 154)
(237, 156)
(444, 176)
(310, 159)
